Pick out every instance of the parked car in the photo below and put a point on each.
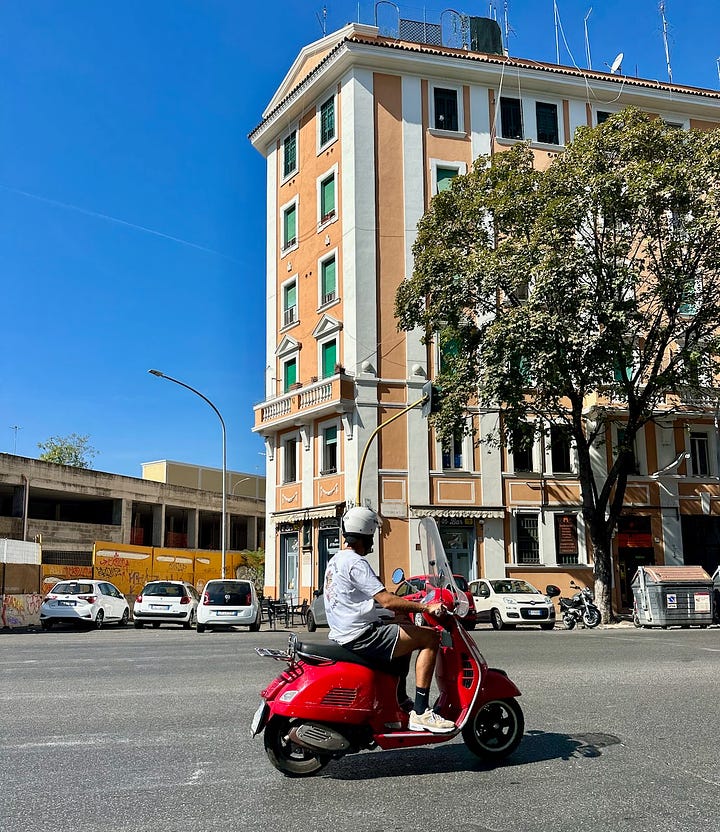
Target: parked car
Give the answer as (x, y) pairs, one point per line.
(227, 603)
(316, 613)
(417, 587)
(166, 602)
(509, 602)
(86, 601)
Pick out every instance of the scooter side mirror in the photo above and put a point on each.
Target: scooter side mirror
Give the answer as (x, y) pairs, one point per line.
(552, 591)
(398, 576)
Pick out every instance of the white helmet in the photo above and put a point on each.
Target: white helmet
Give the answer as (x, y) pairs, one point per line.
(360, 523)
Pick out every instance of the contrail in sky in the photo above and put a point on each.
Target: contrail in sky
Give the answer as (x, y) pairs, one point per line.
(97, 214)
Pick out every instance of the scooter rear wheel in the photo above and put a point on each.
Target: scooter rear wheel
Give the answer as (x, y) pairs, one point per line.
(591, 618)
(496, 729)
(291, 759)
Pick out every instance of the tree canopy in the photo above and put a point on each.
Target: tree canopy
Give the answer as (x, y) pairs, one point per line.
(73, 450)
(586, 291)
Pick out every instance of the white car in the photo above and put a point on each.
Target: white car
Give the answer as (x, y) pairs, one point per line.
(509, 602)
(227, 603)
(84, 601)
(166, 602)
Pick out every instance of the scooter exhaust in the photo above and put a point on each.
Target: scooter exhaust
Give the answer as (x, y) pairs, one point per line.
(318, 737)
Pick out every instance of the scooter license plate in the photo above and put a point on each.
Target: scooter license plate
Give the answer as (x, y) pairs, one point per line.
(258, 721)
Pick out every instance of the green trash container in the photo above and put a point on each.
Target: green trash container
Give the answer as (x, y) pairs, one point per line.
(672, 596)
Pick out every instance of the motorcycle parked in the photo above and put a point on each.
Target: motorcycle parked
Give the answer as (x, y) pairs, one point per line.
(580, 608)
(329, 702)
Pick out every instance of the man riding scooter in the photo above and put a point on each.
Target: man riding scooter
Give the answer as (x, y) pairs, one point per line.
(354, 602)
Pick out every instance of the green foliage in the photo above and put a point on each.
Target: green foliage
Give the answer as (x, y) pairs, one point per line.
(595, 279)
(73, 450)
(253, 569)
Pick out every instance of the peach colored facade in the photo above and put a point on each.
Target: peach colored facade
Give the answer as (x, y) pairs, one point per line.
(355, 123)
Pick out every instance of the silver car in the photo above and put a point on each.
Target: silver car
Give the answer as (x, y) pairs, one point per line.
(84, 601)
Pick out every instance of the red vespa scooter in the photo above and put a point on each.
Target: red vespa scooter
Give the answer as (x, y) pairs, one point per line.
(330, 702)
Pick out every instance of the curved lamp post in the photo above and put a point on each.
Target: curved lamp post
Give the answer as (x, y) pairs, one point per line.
(224, 456)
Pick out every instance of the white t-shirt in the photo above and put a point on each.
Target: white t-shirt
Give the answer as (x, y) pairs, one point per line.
(350, 585)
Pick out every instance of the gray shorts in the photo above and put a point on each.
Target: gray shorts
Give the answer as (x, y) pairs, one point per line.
(377, 643)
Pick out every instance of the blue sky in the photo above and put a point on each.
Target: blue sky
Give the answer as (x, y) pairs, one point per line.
(121, 116)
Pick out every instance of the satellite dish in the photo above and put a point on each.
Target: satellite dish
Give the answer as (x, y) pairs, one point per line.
(617, 63)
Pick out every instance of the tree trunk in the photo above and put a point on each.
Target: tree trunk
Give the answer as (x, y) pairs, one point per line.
(603, 579)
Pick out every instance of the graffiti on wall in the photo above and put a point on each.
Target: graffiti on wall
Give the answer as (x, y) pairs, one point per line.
(21, 610)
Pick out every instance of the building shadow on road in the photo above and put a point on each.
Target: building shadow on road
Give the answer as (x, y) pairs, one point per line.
(536, 747)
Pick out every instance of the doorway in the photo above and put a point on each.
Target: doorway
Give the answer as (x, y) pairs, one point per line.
(289, 564)
(458, 542)
(635, 548)
(328, 545)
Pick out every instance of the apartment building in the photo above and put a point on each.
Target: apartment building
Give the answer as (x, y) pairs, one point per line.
(363, 131)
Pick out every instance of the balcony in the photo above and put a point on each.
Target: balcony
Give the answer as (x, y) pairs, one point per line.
(319, 399)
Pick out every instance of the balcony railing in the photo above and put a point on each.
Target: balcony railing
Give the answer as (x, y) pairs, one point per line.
(327, 393)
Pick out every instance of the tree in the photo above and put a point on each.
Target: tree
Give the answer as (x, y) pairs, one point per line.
(73, 450)
(578, 295)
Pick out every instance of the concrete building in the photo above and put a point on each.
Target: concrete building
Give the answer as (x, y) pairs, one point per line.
(175, 505)
(362, 132)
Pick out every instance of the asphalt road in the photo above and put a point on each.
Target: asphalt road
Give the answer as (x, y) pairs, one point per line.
(148, 730)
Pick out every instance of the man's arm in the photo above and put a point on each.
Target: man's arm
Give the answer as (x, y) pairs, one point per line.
(395, 603)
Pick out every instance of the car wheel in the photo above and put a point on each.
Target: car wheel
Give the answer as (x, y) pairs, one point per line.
(99, 619)
(45, 624)
(310, 622)
(200, 628)
(138, 624)
(190, 623)
(255, 626)
(124, 618)
(495, 730)
(497, 622)
(548, 625)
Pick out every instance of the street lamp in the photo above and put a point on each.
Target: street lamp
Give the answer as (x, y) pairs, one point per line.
(224, 456)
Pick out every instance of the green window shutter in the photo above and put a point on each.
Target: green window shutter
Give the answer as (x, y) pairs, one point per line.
(328, 281)
(291, 296)
(448, 350)
(445, 177)
(290, 374)
(290, 234)
(290, 154)
(327, 198)
(688, 305)
(327, 121)
(329, 358)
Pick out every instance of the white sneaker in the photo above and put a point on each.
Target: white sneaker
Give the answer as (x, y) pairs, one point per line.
(430, 721)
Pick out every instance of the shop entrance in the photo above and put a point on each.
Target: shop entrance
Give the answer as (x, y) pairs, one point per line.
(458, 542)
(289, 563)
(635, 548)
(701, 541)
(328, 544)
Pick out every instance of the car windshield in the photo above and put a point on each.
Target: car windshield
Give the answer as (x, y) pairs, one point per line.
(514, 588)
(164, 590)
(72, 588)
(229, 593)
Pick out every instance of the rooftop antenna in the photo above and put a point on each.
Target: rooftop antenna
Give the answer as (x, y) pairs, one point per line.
(557, 27)
(587, 40)
(665, 38)
(16, 428)
(617, 64)
(717, 61)
(507, 27)
(322, 19)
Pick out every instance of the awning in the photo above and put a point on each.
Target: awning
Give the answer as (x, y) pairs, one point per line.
(458, 511)
(309, 513)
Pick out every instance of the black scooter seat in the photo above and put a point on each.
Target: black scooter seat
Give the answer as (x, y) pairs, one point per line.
(319, 652)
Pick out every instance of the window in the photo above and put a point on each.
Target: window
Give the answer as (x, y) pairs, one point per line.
(290, 309)
(560, 449)
(327, 121)
(688, 302)
(329, 450)
(328, 281)
(328, 358)
(522, 459)
(452, 453)
(699, 454)
(289, 234)
(511, 118)
(444, 178)
(528, 538)
(546, 116)
(602, 116)
(290, 460)
(634, 466)
(446, 109)
(327, 198)
(290, 154)
(289, 374)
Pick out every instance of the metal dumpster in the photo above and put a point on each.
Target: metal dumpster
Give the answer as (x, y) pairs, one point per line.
(672, 596)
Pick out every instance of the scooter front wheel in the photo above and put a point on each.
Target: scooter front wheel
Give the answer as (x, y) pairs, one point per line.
(569, 621)
(495, 730)
(291, 759)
